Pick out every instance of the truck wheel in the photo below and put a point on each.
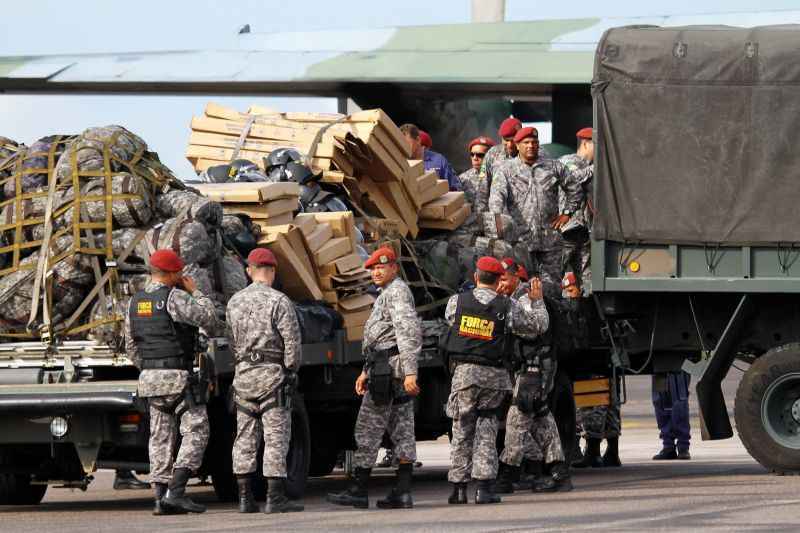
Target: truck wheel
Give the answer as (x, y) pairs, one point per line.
(16, 489)
(562, 405)
(767, 410)
(299, 456)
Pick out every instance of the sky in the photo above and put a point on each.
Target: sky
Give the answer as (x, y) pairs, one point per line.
(97, 26)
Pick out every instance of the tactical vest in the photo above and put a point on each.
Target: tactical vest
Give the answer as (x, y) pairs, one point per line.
(162, 342)
(478, 334)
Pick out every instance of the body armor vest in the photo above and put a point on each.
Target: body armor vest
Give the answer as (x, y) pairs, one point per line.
(162, 342)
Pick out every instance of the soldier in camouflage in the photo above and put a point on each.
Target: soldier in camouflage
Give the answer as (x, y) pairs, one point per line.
(480, 324)
(473, 183)
(576, 233)
(526, 188)
(266, 345)
(161, 329)
(600, 422)
(505, 151)
(392, 343)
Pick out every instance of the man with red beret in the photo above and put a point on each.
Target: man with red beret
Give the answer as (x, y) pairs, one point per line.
(505, 151)
(161, 330)
(474, 187)
(265, 338)
(577, 231)
(527, 189)
(476, 346)
(388, 383)
(425, 139)
(432, 160)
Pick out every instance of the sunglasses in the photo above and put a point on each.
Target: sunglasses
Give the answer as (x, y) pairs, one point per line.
(477, 154)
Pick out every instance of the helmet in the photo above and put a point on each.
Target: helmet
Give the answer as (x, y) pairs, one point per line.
(275, 163)
(300, 173)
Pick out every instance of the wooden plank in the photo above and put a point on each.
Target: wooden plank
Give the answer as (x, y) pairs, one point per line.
(440, 189)
(592, 400)
(333, 249)
(267, 210)
(427, 181)
(591, 385)
(443, 207)
(453, 221)
(248, 192)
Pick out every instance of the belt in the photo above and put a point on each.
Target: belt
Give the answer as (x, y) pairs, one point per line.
(167, 363)
(266, 357)
(387, 353)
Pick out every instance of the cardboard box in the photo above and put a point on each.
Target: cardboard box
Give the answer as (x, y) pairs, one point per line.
(342, 223)
(333, 249)
(443, 207)
(355, 334)
(453, 221)
(416, 168)
(332, 297)
(263, 211)
(440, 189)
(321, 234)
(427, 180)
(380, 200)
(284, 219)
(294, 279)
(356, 318)
(354, 281)
(305, 224)
(348, 263)
(248, 192)
(357, 303)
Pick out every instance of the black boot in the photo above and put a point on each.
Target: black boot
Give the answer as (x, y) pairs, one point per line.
(541, 481)
(666, 454)
(400, 496)
(561, 477)
(277, 502)
(356, 494)
(611, 457)
(484, 493)
(591, 457)
(124, 479)
(505, 479)
(247, 502)
(176, 493)
(459, 494)
(683, 454)
(160, 489)
(527, 474)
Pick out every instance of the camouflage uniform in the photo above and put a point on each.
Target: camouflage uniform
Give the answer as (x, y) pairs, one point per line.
(262, 321)
(529, 194)
(474, 388)
(165, 388)
(577, 244)
(600, 422)
(393, 322)
(495, 156)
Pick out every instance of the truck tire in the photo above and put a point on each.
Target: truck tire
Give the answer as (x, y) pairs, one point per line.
(298, 459)
(767, 410)
(16, 489)
(562, 405)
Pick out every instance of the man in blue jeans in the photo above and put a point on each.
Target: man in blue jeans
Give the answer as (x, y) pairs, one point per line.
(671, 401)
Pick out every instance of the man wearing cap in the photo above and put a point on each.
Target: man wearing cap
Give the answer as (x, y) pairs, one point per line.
(474, 187)
(481, 322)
(266, 345)
(161, 330)
(500, 153)
(388, 383)
(431, 160)
(527, 188)
(577, 246)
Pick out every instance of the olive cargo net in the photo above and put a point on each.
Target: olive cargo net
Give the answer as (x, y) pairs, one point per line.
(62, 200)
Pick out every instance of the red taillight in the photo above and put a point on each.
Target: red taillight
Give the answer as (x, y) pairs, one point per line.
(131, 418)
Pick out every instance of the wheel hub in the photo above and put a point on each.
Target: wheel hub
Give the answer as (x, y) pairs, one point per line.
(796, 410)
(780, 410)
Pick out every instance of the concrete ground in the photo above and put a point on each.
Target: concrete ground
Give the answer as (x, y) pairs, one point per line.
(721, 488)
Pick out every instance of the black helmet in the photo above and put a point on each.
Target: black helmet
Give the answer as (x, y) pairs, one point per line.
(300, 173)
(275, 163)
(242, 165)
(217, 174)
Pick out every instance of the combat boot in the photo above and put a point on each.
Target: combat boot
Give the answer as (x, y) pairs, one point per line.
(505, 479)
(400, 496)
(459, 494)
(247, 502)
(484, 493)
(591, 457)
(527, 475)
(561, 477)
(124, 479)
(666, 454)
(160, 489)
(356, 494)
(683, 454)
(176, 498)
(541, 482)
(611, 457)
(277, 501)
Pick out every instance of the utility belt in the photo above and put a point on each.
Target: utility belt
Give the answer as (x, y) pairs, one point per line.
(381, 378)
(266, 358)
(193, 395)
(465, 358)
(167, 363)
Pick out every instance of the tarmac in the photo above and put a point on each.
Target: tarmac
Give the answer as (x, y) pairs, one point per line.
(720, 489)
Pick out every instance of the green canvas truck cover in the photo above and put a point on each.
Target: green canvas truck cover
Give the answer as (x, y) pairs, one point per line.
(697, 135)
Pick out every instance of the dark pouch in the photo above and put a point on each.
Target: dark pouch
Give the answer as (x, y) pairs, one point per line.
(380, 382)
(528, 392)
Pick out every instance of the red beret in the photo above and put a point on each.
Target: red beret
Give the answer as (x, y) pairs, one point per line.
(261, 257)
(522, 273)
(383, 256)
(490, 264)
(425, 139)
(584, 133)
(508, 264)
(485, 141)
(166, 260)
(509, 127)
(526, 132)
